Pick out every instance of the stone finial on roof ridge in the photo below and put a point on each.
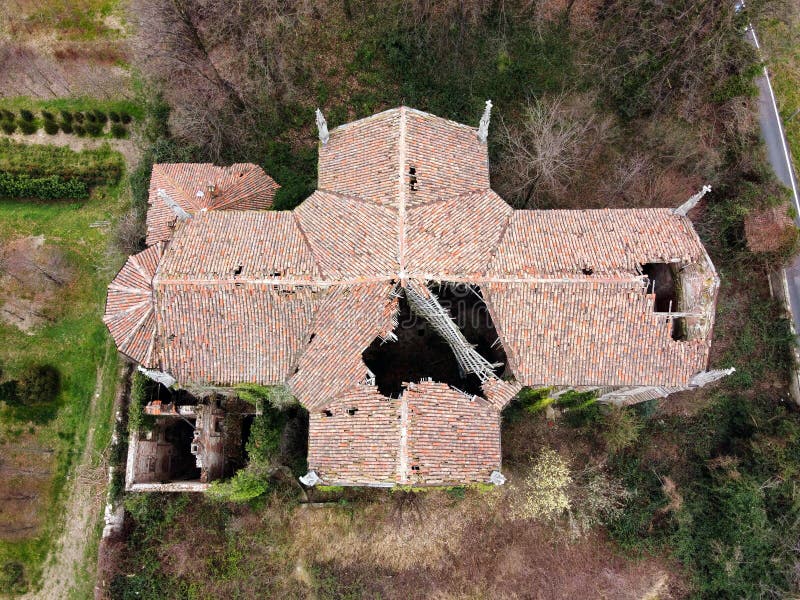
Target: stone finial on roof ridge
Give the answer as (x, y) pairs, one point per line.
(322, 127)
(684, 208)
(483, 127)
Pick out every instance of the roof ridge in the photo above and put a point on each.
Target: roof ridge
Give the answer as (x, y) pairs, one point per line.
(401, 207)
(307, 243)
(493, 253)
(353, 197)
(171, 180)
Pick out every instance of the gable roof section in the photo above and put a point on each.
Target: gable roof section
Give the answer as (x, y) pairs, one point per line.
(360, 159)
(586, 333)
(228, 333)
(350, 238)
(238, 187)
(347, 322)
(431, 435)
(358, 448)
(370, 158)
(455, 236)
(450, 436)
(610, 242)
(448, 158)
(212, 246)
(129, 311)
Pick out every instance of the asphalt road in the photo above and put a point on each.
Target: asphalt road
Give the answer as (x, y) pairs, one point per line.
(778, 156)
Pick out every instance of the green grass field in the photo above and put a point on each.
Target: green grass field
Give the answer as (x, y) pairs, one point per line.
(76, 342)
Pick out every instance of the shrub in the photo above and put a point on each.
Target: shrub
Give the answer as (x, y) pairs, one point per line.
(66, 126)
(544, 492)
(50, 127)
(8, 127)
(39, 384)
(12, 577)
(140, 395)
(94, 129)
(114, 116)
(79, 130)
(7, 115)
(79, 117)
(620, 429)
(90, 117)
(42, 188)
(66, 116)
(248, 484)
(8, 392)
(100, 116)
(597, 499)
(26, 115)
(47, 115)
(118, 130)
(125, 117)
(27, 127)
(92, 167)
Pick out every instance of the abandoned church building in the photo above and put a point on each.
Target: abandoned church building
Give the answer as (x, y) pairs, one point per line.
(403, 303)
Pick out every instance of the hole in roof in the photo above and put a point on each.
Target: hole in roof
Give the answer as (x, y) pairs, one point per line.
(662, 281)
(587, 271)
(679, 331)
(415, 467)
(352, 411)
(327, 413)
(412, 178)
(311, 337)
(420, 352)
(238, 270)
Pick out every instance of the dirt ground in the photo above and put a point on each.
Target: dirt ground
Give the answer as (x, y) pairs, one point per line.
(85, 496)
(26, 470)
(127, 148)
(32, 273)
(43, 56)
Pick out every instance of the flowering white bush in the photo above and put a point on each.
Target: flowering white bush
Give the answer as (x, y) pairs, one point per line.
(544, 492)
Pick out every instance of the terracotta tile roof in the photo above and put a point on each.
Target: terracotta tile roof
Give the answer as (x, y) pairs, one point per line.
(360, 159)
(500, 392)
(129, 312)
(451, 438)
(610, 242)
(246, 295)
(238, 187)
(350, 238)
(238, 245)
(227, 333)
(456, 235)
(358, 448)
(447, 156)
(589, 333)
(347, 322)
(431, 435)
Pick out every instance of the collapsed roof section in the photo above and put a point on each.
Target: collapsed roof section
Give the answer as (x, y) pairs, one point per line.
(198, 187)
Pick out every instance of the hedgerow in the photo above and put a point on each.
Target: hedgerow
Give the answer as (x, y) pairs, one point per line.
(92, 167)
(51, 187)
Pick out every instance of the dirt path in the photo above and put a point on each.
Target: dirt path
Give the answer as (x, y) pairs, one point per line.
(82, 510)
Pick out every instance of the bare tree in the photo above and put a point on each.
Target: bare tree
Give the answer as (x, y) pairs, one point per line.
(543, 154)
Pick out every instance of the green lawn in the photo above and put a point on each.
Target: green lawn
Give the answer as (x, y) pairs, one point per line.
(76, 342)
